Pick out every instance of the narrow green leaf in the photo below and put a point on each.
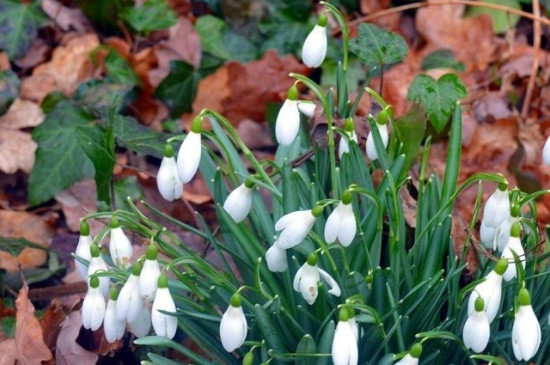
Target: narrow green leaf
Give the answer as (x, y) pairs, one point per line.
(9, 89)
(270, 332)
(325, 343)
(152, 15)
(14, 246)
(19, 23)
(179, 88)
(375, 46)
(306, 346)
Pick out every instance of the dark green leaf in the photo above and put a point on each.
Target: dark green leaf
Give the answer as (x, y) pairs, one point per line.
(9, 89)
(60, 161)
(375, 46)
(306, 346)
(179, 88)
(411, 129)
(14, 246)
(105, 14)
(19, 23)
(442, 58)
(100, 96)
(138, 138)
(8, 326)
(152, 15)
(502, 20)
(437, 97)
(290, 10)
(285, 37)
(119, 70)
(51, 100)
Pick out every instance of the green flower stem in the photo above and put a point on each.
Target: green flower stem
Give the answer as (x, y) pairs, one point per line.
(343, 28)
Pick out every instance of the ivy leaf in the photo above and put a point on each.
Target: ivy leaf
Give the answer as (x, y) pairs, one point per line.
(14, 246)
(60, 161)
(119, 70)
(19, 25)
(377, 47)
(411, 129)
(442, 58)
(9, 89)
(179, 88)
(437, 97)
(152, 15)
(138, 138)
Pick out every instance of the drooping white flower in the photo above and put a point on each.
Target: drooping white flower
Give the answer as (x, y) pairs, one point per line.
(502, 233)
(93, 306)
(233, 326)
(476, 330)
(189, 154)
(315, 45)
(168, 182)
(490, 290)
(150, 273)
(295, 227)
(526, 334)
(412, 357)
(341, 223)
(487, 236)
(343, 145)
(276, 259)
(239, 202)
(83, 249)
(344, 343)
(129, 303)
(514, 246)
(164, 325)
(141, 325)
(372, 154)
(97, 264)
(287, 124)
(307, 279)
(112, 326)
(307, 108)
(546, 152)
(497, 207)
(120, 246)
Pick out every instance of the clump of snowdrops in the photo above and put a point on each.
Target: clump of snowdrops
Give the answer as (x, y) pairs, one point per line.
(316, 263)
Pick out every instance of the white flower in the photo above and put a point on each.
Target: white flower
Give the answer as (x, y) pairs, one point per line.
(276, 259)
(112, 326)
(514, 245)
(307, 108)
(372, 154)
(487, 236)
(233, 326)
(497, 208)
(189, 156)
(239, 202)
(149, 274)
(315, 46)
(476, 329)
(119, 245)
(502, 233)
(164, 325)
(344, 343)
(294, 227)
(168, 182)
(490, 290)
(97, 264)
(141, 325)
(307, 279)
(341, 224)
(287, 124)
(83, 250)
(93, 307)
(412, 357)
(129, 304)
(343, 146)
(546, 152)
(526, 334)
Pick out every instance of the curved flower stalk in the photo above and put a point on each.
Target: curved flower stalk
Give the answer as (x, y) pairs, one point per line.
(307, 108)
(344, 344)
(164, 324)
(93, 307)
(112, 326)
(119, 245)
(490, 290)
(287, 124)
(97, 264)
(514, 246)
(189, 154)
(341, 223)
(233, 326)
(83, 249)
(412, 357)
(141, 325)
(295, 226)
(307, 279)
(546, 152)
(239, 202)
(315, 45)
(526, 334)
(476, 329)
(129, 304)
(149, 275)
(168, 182)
(343, 145)
(276, 259)
(372, 154)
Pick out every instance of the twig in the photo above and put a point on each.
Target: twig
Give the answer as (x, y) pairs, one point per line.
(536, 59)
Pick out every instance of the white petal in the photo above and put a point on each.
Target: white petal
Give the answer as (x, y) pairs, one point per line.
(307, 108)
(332, 227)
(526, 333)
(297, 278)
(407, 360)
(276, 259)
(288, 122)
(315, 47)
(514, 244)
(97, 264)
(334, 288)
(546, 152)
(120, 248)
(372, 154)
(487, 236)
(348, 227)
(295, 230)
(112, 326)
(83, 251)
(233, 328)
(344, 345)
(189, 157)
(238, 203)
(168, 182)
(129, 300)
(308, 282)
(141, 325)
(148, 278)
(343, 146)
(476, 331)
(490, 289)
(502, 233)
(163, 324)
(93, 309)
(290, 218)
(497, 208)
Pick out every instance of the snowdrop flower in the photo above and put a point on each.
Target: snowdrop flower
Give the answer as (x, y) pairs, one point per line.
(168, 182)
(307, 279)
(490, 290)
(476, 330)
(93, 307)
(276, 259)
(341, 224)
(150, 273)
(97, 264)
(119, 245)
(287, 124)
(344, 344)
(307, 108)
(83, 249)
(189, 154)
(513, 246)
(295, 226)
(233, 326)
(112, 326)
(412, 357)
(372, 154)
(141, 325)
(546, 152)
(129, 304)
(343, 146)
(502, 233)
(164, 325)
(526, 329)
(495, 213)
(315, 45)
(239, 202)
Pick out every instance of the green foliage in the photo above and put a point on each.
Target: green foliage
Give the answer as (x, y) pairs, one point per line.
(411, 129)
(119, 71)
(14, 246)
(502, 20)
(437, 96)
(9, 89)
(19, 23)
(443, 58)
(152, 15)
(179, 88)
(105, 14)
(138, 138)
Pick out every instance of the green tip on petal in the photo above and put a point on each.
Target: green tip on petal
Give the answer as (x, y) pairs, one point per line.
(501, 266)
(347, 197)
(343, 316)
(348, 125)
(113, 294)
(382, 117)
(236, 300)
(84, 228)
(317, 210)
(196, 125)
(523, 297)
(162, 281)
(514, 210)
(416, 350)
(94, 250)
(515, 230)
(292, 93)
(136, 269)
(312, 259)
(168, 151)
(479, 304)
(249, 183)
(94, 282)
(351, 312)
(503, 185)
(152, 252)
(114, 222)
(322, 21)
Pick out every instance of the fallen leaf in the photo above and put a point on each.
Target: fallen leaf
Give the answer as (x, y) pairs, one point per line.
(22, 114)
(4, 62)
(491, 107)
(29, 343)
(51, 322)
(37, 54)
(65, 17)
(77, 201)
(8, 352)
(68, 352)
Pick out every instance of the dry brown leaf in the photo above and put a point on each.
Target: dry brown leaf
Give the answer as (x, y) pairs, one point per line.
(65, 17)
(38, 53)
(22, 114)
(29, 343)
(4, 61)
(68, 352)
(51, 322)
(8, 352)
(78, 200)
